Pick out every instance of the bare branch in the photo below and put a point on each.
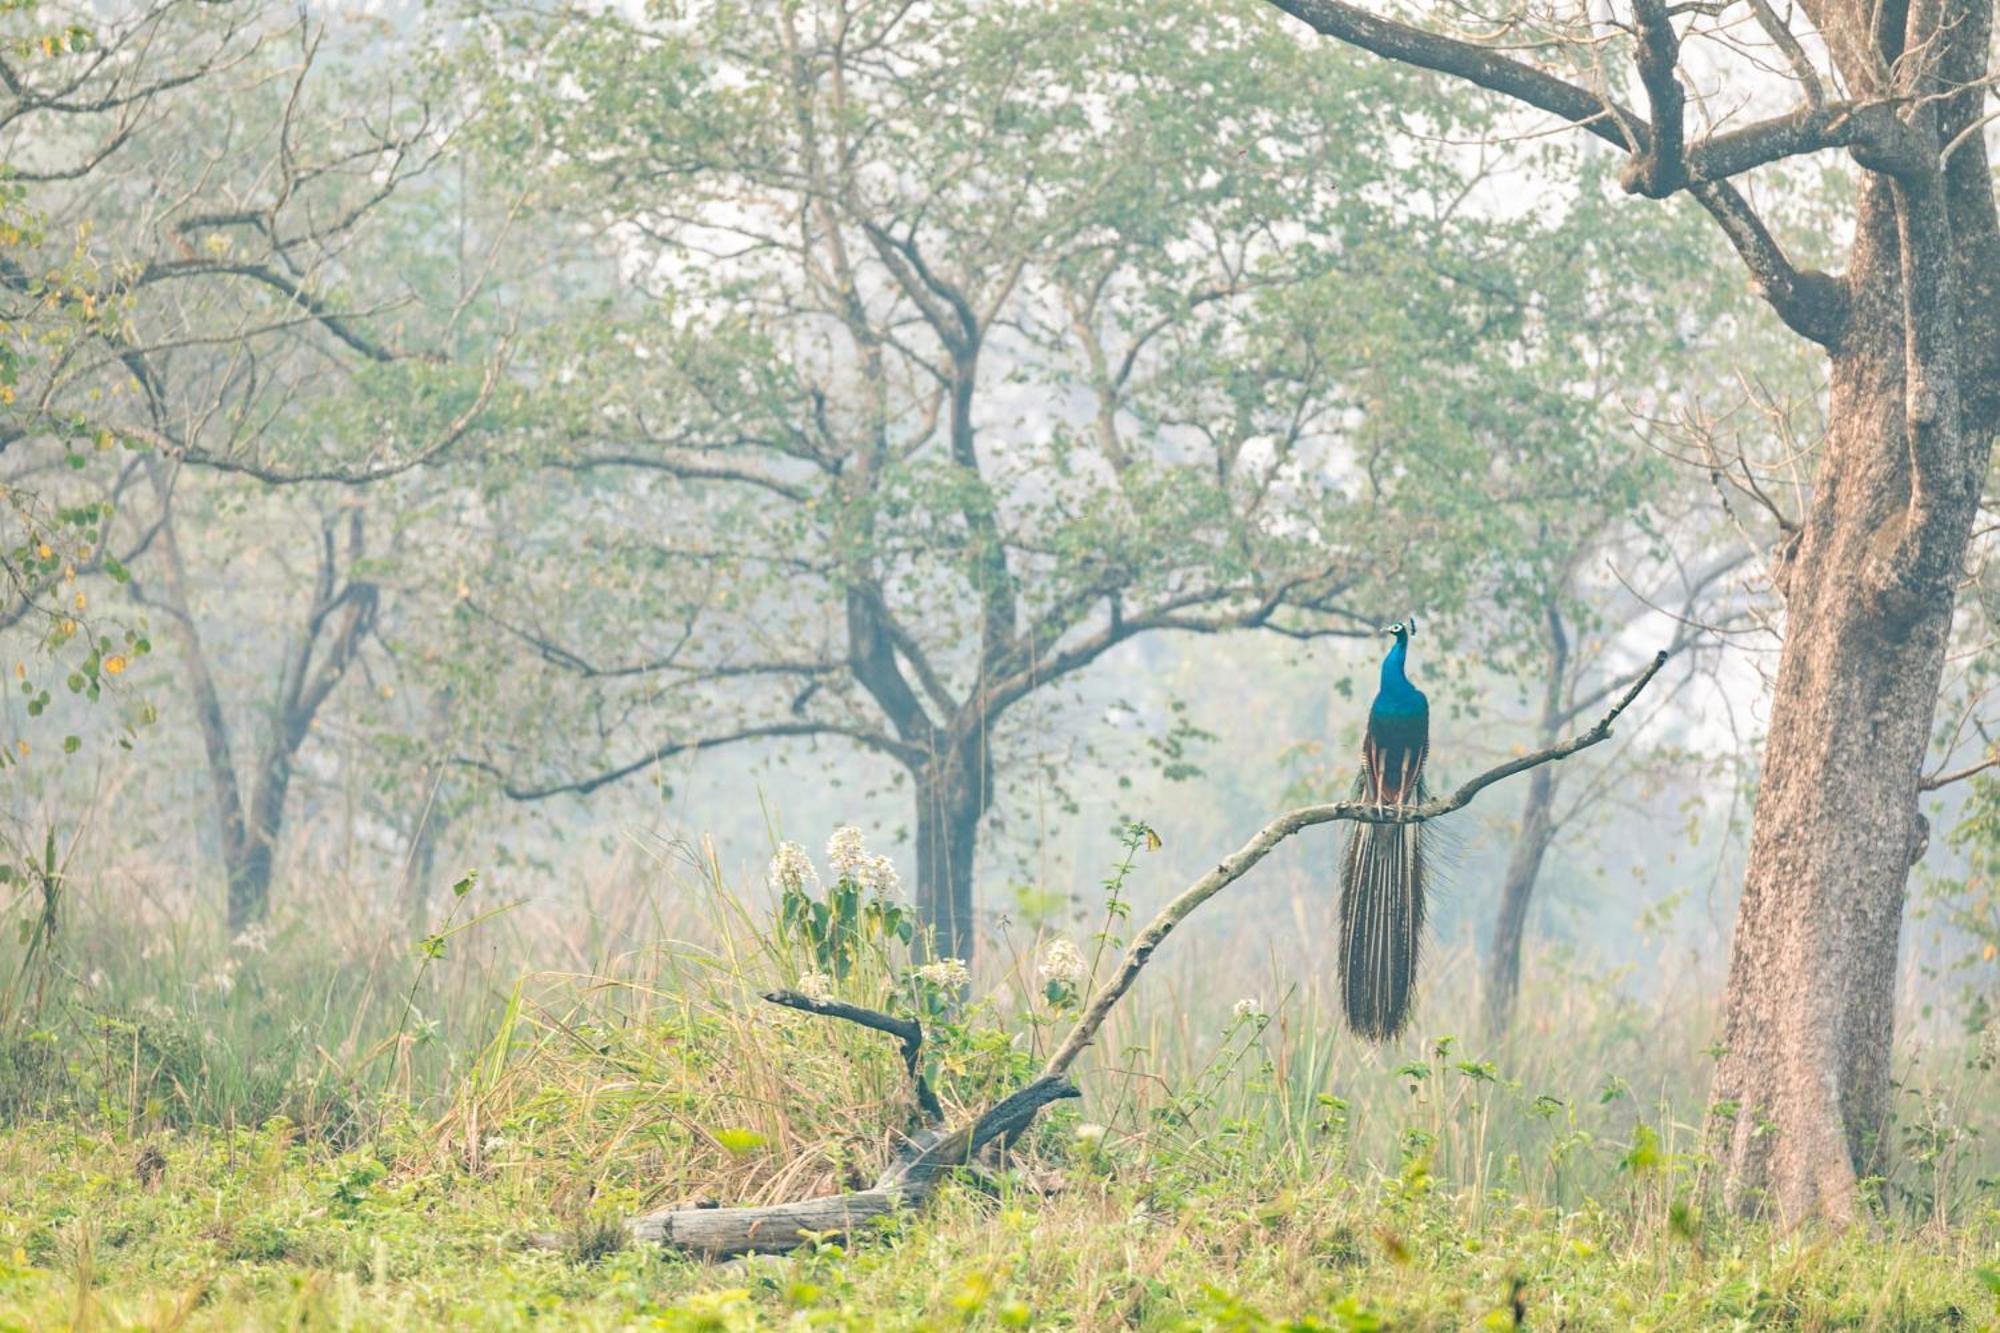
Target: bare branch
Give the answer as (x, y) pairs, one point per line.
(1787, 41)
(719, 1232)
(906, 1030)
(1811, 303)
(909, 1180)
(688, 469)
(333, 320)
(1284, 826)
(520, 791)
(1937, 780)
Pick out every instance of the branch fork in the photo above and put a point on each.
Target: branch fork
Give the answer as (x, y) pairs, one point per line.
(909, 1180)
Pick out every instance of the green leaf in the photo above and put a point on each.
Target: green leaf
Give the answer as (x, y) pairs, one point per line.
(1644, 1156)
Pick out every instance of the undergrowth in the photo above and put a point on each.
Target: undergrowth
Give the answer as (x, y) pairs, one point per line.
(314, 1126)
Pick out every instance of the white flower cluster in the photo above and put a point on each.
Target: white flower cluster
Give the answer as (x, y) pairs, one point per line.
(792, 869)
(1248, 1008)
(849, 857)
(946, 973)
(253, 939)
(1061, 962)
(845, 853)
(816, 986)
(878, 876)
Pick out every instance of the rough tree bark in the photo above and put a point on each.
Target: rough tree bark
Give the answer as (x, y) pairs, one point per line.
(1870, 587)
(1912, 330)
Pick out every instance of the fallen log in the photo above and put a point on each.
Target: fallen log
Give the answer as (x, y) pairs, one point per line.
(721, 1232)
(909, 1180)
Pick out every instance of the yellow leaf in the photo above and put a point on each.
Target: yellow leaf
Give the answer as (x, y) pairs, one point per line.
(114, 665)
(739, 1141)
(81, 601)
(1990, 953)
(1152, 841)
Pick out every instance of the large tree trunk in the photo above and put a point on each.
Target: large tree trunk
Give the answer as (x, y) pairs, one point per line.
(1517, 891)
(1802, 1097)
(952, 794)
(1913, 328)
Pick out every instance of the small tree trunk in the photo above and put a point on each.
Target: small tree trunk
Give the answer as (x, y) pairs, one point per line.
(1802, 1095)
(421, 865)
(951, 798)
(250, 878)
(1517, 892)
(225, 794)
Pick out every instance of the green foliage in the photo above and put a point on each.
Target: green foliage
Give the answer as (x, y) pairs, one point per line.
(846, 926)
(1182, 399)
(1242, 1167)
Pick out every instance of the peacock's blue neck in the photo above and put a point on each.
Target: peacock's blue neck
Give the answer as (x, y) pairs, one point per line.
(1397, 696)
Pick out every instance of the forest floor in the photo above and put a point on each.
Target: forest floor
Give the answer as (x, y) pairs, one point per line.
(316, 1126)
(256, 1230)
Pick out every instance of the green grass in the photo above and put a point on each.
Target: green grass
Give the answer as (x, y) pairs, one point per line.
(253, 1228)
(344, 1134)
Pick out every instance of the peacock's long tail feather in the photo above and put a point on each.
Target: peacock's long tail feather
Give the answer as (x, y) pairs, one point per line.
(1383, 877)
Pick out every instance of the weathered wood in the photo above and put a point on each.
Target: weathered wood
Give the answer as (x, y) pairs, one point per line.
(1010, 1115)
(906, 1030)
(1283, 827)
(721, 1232)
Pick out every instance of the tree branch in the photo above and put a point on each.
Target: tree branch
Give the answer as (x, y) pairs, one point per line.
(688, 470)
(1812, 303)
(517, 791)
(718, 1232)
(1618, 126)
(1938, 780)
(334, 321)
(1661, 168)
(906, 1030)
(1284, 826)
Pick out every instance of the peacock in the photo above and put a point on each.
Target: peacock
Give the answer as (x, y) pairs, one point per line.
(1383, 871)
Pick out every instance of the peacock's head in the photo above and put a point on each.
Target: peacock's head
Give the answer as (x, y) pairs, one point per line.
(1403, 630)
